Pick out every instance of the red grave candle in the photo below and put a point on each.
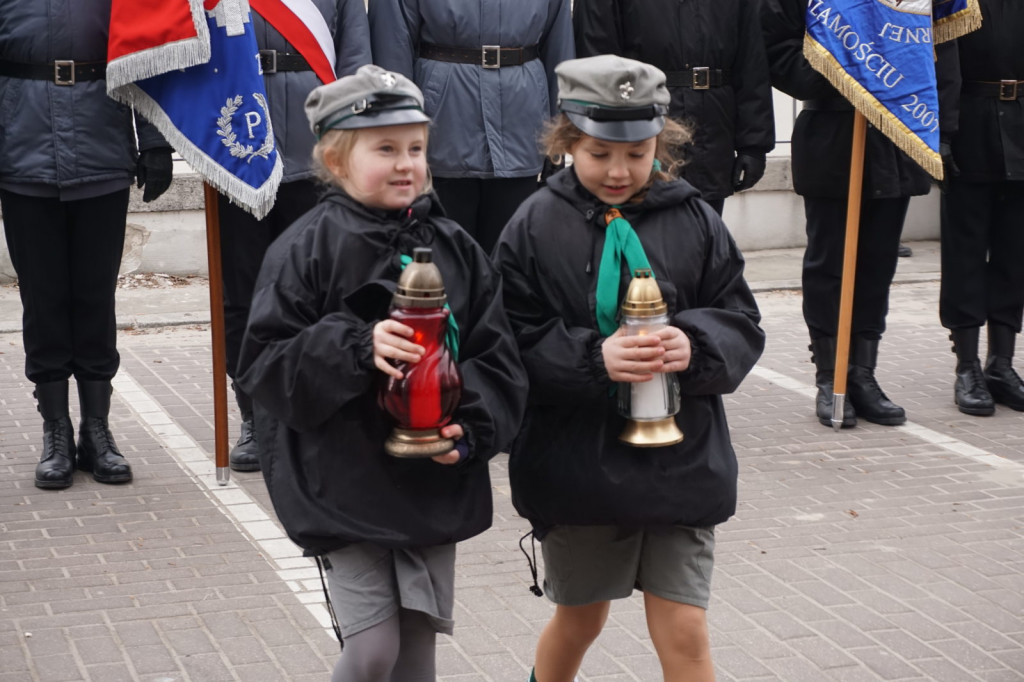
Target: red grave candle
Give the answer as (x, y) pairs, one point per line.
(423, 400)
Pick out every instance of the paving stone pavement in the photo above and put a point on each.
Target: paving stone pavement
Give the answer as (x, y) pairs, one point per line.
(877, 553)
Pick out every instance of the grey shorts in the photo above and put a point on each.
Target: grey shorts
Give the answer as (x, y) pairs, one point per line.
(369, 583)
(587, 564)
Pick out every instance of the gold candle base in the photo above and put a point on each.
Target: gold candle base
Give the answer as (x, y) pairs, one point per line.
(651, 434)
(417, 443)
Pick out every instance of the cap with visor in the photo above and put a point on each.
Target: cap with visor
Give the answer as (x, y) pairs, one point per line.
(613, 98)
(371, 97)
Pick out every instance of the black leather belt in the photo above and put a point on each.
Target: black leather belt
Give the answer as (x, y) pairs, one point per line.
(487, 56)
(828, 104)
(60, 71)
(1005, 90)
(272, 61)
(697, 78)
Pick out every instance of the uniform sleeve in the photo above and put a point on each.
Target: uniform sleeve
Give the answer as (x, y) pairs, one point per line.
(948, 79)
(557, 46)
(394, 34)
(784, 24)
(596, 27)
(352, 39)
(149, 136)
(724, 329)
(300, 366)
(563, 363)
(494, 384)
(755, 117)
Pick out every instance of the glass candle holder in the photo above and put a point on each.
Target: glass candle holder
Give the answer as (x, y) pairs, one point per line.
(649, 406)
(424, 399)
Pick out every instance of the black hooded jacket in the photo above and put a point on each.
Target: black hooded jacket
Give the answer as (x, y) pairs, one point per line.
(307, 361)
(567, 465)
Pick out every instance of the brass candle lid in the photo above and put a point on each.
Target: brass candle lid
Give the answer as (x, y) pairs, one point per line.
(420, 284)
(643, 297)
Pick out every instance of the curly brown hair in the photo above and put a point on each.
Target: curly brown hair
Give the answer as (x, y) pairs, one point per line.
(560, 135)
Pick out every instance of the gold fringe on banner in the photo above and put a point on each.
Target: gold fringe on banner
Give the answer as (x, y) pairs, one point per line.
(956, 25)
(876, 114)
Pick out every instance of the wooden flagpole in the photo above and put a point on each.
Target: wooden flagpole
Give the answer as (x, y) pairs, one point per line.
(860, 126)
(220, 382)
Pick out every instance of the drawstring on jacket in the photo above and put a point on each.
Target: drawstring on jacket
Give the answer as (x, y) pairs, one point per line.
(535, 588)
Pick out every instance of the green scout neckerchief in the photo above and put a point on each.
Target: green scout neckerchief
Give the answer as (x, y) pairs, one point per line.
(620, 240)
(451, 336)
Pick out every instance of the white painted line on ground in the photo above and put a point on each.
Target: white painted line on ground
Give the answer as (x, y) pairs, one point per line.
(233, 501)
(944, 441)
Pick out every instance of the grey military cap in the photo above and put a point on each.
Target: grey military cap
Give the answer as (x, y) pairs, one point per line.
(613, 98)
(370, 97)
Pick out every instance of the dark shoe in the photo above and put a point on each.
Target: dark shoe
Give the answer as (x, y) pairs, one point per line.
(969, 391)
(1003, 382)
(868, 398)
(245, 456)
(97, 451)
(823, 354)
(56, 467)
(904, 251)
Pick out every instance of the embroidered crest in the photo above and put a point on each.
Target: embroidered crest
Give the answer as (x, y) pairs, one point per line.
(626, 91)
(230, 140)
(388, 79)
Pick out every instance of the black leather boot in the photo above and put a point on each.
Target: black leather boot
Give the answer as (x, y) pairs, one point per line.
(56, 467)
(1003, 382)
(823, 354)
(97, 451)
(245, 454)
(970, 392)
(863, 390)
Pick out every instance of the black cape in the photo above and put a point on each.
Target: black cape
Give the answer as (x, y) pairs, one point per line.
(567, 466)
(307, 361)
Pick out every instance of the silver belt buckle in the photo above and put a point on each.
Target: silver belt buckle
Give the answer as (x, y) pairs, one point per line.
(268, 61)
(68, 64)
(1007, 90)
(496, 49)
(701, 77)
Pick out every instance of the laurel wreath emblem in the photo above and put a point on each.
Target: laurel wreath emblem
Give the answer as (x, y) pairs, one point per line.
(230, 140)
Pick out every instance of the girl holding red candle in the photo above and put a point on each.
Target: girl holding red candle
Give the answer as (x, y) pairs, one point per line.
(320, 343)
(611, 516)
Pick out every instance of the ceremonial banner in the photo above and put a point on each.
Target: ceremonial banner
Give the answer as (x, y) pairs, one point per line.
(192, 69)
(880, 55)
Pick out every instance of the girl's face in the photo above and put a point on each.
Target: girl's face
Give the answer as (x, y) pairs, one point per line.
(613, 171)
(387, 167)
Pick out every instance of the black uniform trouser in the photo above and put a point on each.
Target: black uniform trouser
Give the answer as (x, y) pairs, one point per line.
(982, 254)
(881, 223)
(67, 255)
(243, 242)
(483, 206)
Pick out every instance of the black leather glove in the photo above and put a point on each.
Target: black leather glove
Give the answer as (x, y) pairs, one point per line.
(949, 167)
(153, 171)
(747, 170)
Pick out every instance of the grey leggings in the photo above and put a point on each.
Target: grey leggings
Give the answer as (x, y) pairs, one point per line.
(399, 649)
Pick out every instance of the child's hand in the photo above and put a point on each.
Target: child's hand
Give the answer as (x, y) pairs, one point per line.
(632, 358)
(455, 432)
(391, 341)
(677, 349)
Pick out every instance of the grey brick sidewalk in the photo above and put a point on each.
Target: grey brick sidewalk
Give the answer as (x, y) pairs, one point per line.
(874, 554)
